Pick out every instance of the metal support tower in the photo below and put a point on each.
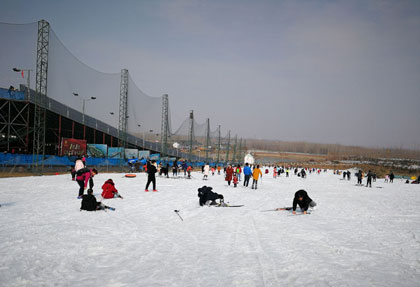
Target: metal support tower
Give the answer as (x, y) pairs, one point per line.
(122, 120)
(218, 145)
(191, 135)
(41, 93)
(207, 139)
(240, 151)
(164, 131)
(228, 148)
(234, 149)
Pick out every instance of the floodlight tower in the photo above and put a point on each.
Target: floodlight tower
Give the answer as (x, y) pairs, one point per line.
(41, 92)
(191, 134)
(122, 119)
(164, 125)
(228, 147)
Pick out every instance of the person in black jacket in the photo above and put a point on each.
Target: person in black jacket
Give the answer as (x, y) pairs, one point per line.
(303, 200)
(369, 179)
(208, 197)
(151, 170)
(359, 176)
(89, 202)
(391, 177)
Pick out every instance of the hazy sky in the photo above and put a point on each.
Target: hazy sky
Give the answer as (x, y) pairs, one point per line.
(343, 72)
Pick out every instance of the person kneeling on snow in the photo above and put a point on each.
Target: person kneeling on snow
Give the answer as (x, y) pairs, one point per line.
(303, 200)
(208, 197)
(109, 190)
(89, 202)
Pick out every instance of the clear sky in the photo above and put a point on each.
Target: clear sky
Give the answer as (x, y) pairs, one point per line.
(343, 72)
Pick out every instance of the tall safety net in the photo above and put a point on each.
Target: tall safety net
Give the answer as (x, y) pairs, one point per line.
(17, 50)
(68, 76)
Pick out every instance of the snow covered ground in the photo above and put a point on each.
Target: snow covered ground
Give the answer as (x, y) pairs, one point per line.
(357, 236)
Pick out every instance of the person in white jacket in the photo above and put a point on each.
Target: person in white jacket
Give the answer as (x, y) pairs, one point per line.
(206, 171)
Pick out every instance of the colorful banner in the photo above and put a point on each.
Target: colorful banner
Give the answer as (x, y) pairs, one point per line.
(155, 156)
(97, 150)
(144, 154)
(131, 153)
(73, 147)
(116, 152)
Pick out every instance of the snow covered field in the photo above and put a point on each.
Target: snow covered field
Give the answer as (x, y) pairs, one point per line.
(357, 236)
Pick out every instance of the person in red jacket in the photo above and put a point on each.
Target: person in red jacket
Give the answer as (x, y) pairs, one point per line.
(109, 190)
(229, 173)
(83, 180)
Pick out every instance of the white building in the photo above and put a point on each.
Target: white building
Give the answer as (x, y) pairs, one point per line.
(249, 159)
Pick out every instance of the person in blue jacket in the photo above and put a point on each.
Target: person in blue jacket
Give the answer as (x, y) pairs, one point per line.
(247, 174)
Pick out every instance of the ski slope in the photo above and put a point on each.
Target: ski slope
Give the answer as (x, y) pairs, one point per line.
(357, 236)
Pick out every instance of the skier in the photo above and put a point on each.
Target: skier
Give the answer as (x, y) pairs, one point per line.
(247, 174)
(229, 173)
(208, 197)
(89, 202)
(218, 169)
(151, 178)
(256, 173)
(83, 179)
(109, 190)
(303, 200)
(369, 179)
(206, 171)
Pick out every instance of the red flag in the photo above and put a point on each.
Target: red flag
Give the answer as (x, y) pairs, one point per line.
(22, 74)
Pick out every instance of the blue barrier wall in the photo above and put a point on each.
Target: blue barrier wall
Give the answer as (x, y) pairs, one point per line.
(9, 159)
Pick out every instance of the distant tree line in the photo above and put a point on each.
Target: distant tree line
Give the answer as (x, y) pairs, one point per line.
(332, 151)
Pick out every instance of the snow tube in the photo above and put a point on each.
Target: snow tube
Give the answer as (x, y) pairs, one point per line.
(130, 175)
(413, 178)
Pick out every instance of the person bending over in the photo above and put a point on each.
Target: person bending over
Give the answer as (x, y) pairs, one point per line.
(303, 200)
(208, 197)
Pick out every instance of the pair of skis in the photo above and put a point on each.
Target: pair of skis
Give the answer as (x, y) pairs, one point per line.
(284, 209)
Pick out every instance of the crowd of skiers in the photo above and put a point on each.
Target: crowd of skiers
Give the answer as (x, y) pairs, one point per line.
(232, 174)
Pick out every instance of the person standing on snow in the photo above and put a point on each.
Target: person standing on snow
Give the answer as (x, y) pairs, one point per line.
(206, 171)
(247, 174)
(256, 173)
(151, 177)
(391, 177)
(229, 174)
(238, 172)
(359, 177)
(369, 179)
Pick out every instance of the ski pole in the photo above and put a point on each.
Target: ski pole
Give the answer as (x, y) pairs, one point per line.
(177, 212)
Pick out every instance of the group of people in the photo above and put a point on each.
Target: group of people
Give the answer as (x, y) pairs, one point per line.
(235, 173)
(84, 176)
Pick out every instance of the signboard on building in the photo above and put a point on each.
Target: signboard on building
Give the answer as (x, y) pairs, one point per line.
(73, 147)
